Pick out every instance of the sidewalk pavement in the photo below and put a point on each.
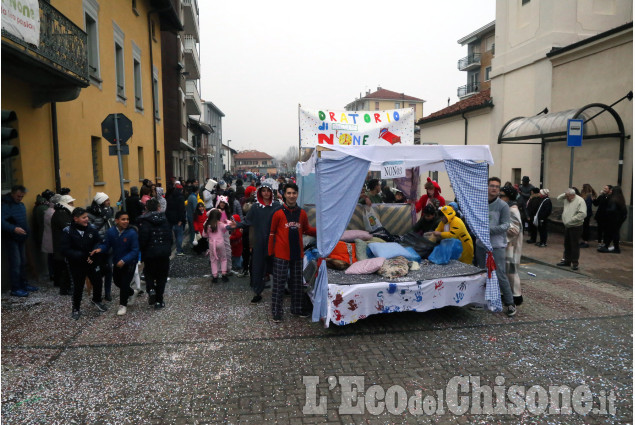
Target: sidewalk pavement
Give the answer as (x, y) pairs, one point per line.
(616, 268)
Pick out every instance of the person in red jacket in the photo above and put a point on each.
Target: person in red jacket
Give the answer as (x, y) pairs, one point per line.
(288, 224)
(236, 242)
(432, 196)
(200, 216)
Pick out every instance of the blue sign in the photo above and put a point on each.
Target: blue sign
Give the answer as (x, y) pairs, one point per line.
(574, 133)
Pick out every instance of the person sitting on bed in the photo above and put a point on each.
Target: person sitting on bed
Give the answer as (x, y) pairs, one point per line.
(453, 227)
(428, 222)
(373, 196)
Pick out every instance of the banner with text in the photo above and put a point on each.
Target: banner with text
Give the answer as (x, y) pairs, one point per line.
(22, 19)
(356, 128)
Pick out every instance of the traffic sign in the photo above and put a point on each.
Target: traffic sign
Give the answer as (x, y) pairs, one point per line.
(575, 130)
(109, 132)
(112, 150)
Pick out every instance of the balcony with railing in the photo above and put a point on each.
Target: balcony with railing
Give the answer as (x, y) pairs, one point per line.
(192, 61)
(60, 59)
(190, 17)
(468, 90)
(192, 99)
(469, 62)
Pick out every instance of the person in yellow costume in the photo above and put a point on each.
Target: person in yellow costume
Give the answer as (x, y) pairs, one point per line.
(453, 227)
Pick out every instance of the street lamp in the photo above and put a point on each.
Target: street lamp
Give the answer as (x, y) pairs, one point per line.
(228, 157)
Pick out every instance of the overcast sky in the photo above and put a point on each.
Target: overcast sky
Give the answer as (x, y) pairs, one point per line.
(259, 60)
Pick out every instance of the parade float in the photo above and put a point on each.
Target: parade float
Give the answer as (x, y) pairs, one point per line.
(330, 184)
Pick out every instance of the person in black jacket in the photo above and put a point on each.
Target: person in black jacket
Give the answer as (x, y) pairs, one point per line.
(101, 215)
(175, 213)
(155, 243)
(59, 221)
(134, 207)
(616, 214)
(79, 240)
(600, 214)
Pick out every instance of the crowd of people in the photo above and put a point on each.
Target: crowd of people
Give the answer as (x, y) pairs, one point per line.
(257, 231)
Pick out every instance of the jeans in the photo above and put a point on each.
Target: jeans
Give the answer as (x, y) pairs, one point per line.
(237, 263)
(16, 253)
(499, 259)
(79, 273)
(190, 229)
(178, 237)
(122, 278)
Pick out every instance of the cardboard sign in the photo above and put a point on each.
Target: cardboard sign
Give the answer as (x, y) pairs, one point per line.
(393, 170)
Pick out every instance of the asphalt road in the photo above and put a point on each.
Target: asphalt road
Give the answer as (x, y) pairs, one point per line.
(211, 357)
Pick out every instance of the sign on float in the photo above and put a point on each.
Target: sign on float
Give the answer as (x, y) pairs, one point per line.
(393, 170)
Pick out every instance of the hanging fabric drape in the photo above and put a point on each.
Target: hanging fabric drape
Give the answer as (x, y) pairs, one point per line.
(469, 180)
(409, 185)
(336, 191)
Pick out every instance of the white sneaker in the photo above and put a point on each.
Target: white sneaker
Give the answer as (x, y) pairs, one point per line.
(133, 297)
(122, 310)
(611, 248)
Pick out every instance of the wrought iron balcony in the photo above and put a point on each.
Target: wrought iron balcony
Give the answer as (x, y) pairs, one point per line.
(62, 46)
(468, 89)
(469, 62)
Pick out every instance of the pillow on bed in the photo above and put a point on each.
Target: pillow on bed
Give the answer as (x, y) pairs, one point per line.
(388, 250)
(360, 249)
(351, 235)
(368, 266)
(394, 268)
(413, 255)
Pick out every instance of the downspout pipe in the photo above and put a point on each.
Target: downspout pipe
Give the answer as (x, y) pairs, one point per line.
(154, 99)
(56, 148)
(465, 118)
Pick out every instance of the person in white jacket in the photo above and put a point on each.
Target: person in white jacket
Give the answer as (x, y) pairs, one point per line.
(573, 216)
(513, 252)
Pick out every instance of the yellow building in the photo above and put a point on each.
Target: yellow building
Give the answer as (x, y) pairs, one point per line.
(90, 59)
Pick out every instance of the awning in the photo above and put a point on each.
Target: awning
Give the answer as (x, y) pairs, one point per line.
(600, 122)
(553, 127)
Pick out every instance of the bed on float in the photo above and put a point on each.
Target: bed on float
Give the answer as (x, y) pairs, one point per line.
(330, 183)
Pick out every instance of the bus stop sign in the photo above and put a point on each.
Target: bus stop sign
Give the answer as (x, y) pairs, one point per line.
(574, 133)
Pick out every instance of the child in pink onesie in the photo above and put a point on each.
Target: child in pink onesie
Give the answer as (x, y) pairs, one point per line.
(215, 230)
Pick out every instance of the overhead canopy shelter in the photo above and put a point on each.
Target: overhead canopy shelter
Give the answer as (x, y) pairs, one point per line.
(339, 173)
(600, 122)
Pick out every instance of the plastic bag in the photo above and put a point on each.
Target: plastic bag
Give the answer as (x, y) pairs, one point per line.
(423, 246)
(136, 280)
(448, 249)
(197, 237)
(371, 219)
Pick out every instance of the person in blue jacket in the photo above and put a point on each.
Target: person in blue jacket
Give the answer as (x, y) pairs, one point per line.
(15, 230)
(124, 243)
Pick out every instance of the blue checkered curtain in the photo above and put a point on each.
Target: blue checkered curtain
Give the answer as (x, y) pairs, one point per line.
(339, 183)
(469, 181)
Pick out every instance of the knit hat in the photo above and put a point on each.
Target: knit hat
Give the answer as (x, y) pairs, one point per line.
(100, 198)
(222, 184)
(544, 192)
(66, 199)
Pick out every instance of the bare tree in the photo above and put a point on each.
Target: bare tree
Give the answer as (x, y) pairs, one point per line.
(289, 159)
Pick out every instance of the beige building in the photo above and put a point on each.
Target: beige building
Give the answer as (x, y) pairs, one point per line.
(383, 99)
(552, 60)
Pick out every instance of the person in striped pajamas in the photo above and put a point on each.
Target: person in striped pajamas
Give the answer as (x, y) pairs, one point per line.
(288, 224)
